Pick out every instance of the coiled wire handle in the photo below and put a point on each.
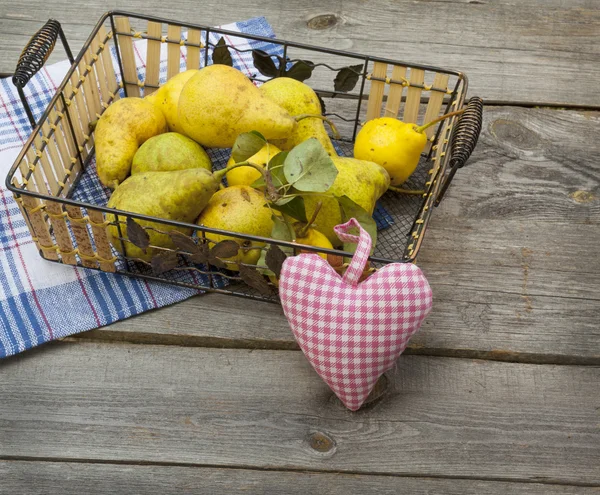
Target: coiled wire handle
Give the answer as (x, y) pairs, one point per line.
(33, 57)
(463, 140)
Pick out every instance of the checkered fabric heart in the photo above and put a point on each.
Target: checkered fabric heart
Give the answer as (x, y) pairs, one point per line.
(352, 332)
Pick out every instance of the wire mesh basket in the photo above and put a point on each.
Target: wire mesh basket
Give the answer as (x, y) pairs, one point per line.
(56, 186)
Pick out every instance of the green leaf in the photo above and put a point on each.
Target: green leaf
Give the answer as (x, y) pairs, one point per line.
(350, 209)
(258, 183)
(282, 230)
(309, 168)
(221, 54)
(261, 264)
(247, 145)
(300, 71)
(294, 207)
(347, 78)
(264, 63)
(275, 166)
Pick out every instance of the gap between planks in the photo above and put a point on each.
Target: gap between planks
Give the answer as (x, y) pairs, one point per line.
(140, 338)
(192, 465)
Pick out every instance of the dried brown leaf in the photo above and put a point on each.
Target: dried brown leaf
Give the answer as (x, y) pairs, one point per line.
(255, 280)
(165, 261)
(137, 234)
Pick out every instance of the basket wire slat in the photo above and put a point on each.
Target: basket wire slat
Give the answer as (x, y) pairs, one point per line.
(413, 96)
(434, 106)
(395, 94)
(377, 90)
(127, 57)
(173, 51)
(107, 63)
(193, 52)
(153, 58)
(60, 151)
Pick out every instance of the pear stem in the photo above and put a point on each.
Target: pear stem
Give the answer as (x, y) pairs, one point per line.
(420, 129)
(304, 230)
(416, 192)
(219, 174)
(336, 134)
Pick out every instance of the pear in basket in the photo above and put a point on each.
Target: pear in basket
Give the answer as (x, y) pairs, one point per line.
(362, 181)
(298, 99)
(178, 195)
(123, 128)
(238, 209)
(166, 98)
(219, 103)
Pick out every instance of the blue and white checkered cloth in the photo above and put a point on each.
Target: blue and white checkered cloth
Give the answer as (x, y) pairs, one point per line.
(42, 301)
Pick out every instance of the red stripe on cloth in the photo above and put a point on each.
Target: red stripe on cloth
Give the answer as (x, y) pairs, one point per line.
(151, 294)
(87, 298)
(8, 248)
(14, 235)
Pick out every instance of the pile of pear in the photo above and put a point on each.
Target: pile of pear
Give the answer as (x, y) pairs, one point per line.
(151, 152)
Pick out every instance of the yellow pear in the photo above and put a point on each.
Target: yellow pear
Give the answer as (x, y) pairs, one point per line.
(167, 152)
(166, 98)
(313, 237)
(246, 176)
(238, 209)
(179, 195)
(298, 99)
(219, 102)
(122, 129)
(362, 181)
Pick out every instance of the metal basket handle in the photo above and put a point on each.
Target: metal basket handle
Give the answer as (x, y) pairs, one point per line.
(464, 140)
(33, 57)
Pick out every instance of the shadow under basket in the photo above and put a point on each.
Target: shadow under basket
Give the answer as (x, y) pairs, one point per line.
(54, 179)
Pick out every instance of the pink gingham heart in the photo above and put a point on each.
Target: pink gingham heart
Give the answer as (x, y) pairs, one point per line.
(350, 332)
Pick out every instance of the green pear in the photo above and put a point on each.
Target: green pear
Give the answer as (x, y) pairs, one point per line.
(178, 195)
(123, 128)
(168, 152)
(166, 98)
(219, 102)
(298, 99)
(362, 181)
(240, 209)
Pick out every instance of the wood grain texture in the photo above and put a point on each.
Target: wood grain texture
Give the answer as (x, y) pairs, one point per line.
(68, 478)
(531, 51)
(239, 408)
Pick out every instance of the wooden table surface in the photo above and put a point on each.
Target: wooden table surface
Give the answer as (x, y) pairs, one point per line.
(500, 390)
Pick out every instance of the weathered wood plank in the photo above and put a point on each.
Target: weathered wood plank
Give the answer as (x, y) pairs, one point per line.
(534, 165)
(533, 51)
(65, 478)
(268, 409)
(464, 322)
